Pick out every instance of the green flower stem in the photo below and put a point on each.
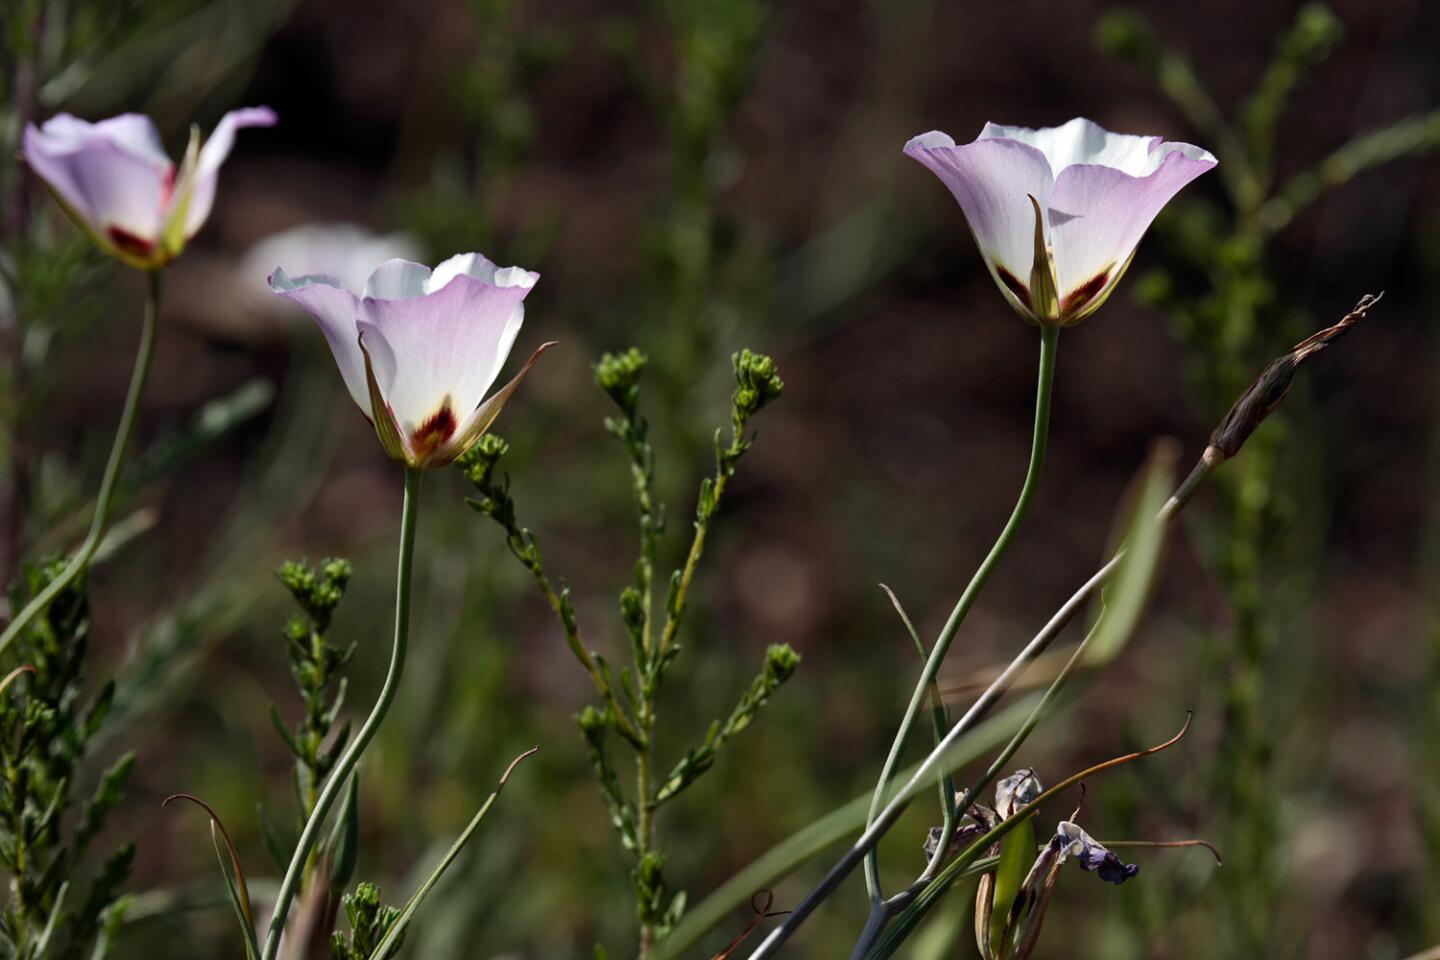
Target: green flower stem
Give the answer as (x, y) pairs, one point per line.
(697, 548)
(1049, 336)
(587, 660)
(644, 835)
(341, 774)
(644, 790)
(99, 523)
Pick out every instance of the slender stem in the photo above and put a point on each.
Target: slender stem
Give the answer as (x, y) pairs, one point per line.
(940, 722)
(645, 836)
(926, 771)
(687, 573)
(99, 523)
(577, 647)
(1049, 336)
(341, 774)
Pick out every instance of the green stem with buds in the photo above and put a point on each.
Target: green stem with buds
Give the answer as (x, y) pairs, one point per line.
(1049, 337)
(341, 774)
(100, 522)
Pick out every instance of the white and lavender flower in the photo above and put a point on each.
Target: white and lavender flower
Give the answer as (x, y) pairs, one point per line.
(1058, 212)
(116, 181)
(344, 252)
(418, 348)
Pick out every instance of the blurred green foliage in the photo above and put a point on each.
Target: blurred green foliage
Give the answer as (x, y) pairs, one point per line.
(60, 901)
(1226, 306)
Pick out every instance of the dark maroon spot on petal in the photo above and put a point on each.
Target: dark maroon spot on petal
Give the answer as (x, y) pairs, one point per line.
(433, 433)
(127, 242)
(1014, 286)
(1084, 293)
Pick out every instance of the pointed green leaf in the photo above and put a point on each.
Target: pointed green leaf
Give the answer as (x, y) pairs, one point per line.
(344, 842)
(1123, 599)
(1017, 850)
(397, 929)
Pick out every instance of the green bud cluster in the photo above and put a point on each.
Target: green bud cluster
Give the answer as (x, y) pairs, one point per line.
(370, 919)
(316, 662)
(757, 383)
(618, 374)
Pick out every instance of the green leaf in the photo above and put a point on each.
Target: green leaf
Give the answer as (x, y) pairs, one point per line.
(239, 896)
(56, 909)
(235, 884)
(284, 732)
(344, 842)
(397, 929)
(937, 941)
(1017, 850)
(1124, 597)
(279, 849)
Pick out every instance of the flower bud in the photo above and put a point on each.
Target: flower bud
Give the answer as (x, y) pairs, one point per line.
(757, 383)
(618, 374)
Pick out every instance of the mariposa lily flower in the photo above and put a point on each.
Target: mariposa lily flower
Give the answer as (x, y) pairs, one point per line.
(418, 348)
(115, 180)
(1058, 212)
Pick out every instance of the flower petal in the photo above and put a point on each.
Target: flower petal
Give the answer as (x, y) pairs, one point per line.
(392, 440)
(1091, 855)
(212, 156)
(447, 348)
(336, 310)
(993, 181)
(481, 268)
(1015, 791)
(112, 176)
(397, 280)
(1098, 215)
(1082, 141)
(485, 415)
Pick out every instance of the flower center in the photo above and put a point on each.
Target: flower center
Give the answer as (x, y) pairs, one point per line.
(432, 434)
(1086, 292)
(128, 242)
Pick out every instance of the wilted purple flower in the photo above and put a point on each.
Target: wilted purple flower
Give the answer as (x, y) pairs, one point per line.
(419, 348)
(1092, 857)
(1057, 212)
(1014, 791)
(115, 180)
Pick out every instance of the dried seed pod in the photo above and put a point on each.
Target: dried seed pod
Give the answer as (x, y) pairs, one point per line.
(1265, 394)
